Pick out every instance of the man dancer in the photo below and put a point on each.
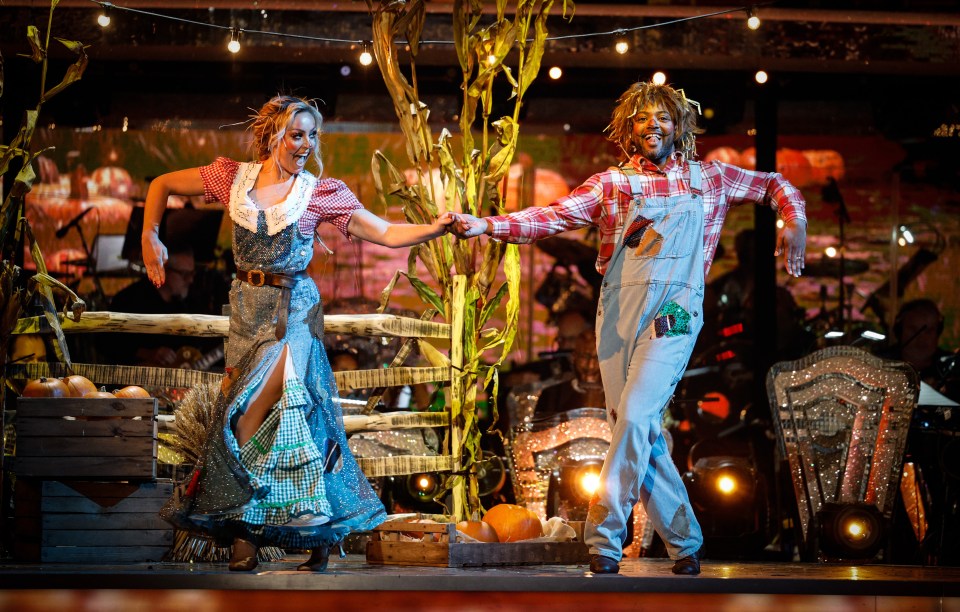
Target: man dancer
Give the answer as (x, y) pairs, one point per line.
(659, 214)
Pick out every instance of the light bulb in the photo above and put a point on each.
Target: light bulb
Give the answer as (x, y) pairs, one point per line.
(753, 22)
(365, 58)
(234, 45)
(659, 78)
(622, 47)
(555, 72)
(103, 19)
(761, 77)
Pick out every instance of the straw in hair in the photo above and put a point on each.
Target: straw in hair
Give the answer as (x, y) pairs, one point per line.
(270, 123)
(674, 101)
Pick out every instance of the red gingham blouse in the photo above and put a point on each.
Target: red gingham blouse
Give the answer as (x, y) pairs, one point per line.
(604, 201)
(331, 200)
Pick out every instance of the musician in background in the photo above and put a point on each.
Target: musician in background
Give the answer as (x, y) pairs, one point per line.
(584, 390)
(917, 330)
(179, 295)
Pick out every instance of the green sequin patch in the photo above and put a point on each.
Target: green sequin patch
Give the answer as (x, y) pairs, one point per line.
(681, 319)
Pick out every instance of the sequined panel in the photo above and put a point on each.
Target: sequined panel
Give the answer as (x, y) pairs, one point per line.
(842, 418)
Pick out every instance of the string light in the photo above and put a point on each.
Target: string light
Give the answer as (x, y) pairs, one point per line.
(234, 45)
(659, 78)
(491, 59)
(365, 57)
(622, 46)
(103, 19)
(753, 22)
(555, 72)
(761, 77)
(618, 32)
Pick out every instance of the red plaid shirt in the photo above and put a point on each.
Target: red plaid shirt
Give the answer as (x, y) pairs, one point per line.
(604, 201)
(331, 200)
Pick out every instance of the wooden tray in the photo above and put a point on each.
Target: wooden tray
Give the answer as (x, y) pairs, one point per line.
(382, 549)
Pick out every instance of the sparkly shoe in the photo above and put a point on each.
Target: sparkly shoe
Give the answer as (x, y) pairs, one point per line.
(244, 557)
(317, 562)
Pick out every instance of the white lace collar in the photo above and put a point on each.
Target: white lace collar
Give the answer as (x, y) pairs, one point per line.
(244, 212)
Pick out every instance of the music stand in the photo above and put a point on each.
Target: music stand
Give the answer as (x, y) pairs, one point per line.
(194, 227)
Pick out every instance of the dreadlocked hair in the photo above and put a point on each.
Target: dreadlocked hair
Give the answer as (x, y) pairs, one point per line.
(270, 124)
(638, 96)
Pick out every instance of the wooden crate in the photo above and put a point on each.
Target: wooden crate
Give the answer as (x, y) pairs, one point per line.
(91, 522)
(450, 553)
(88, 439)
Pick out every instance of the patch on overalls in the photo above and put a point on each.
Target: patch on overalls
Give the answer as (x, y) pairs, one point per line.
(680, 524)
(672, 320)
(598, 512)
(631, 238)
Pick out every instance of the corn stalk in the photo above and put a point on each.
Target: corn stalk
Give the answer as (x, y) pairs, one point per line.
(472, 179)
(16, 290)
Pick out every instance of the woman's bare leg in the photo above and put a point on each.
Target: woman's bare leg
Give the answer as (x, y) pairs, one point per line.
(271, 389)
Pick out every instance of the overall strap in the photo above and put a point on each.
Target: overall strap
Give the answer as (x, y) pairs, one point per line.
(695, 177)
(636, 188)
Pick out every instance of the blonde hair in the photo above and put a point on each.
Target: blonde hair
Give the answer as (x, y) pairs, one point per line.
(270, 124)
(638, 96)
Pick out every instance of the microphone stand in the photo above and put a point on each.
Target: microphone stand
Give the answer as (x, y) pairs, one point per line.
(831, 193)
(91, 269)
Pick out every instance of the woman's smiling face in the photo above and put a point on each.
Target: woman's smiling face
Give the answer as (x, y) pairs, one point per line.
(299, 141)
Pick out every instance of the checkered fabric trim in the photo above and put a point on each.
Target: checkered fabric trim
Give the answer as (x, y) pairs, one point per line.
(285, 464)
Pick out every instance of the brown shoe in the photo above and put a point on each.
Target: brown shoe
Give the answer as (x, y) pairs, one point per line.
(318, 560)
(603, 565)
(689, 565)
(244, 557)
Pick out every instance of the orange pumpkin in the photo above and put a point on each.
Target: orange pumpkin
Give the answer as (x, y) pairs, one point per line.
(513, 523)
(131, 391)
(478, 530)
(46, 387)
(78, 386)
(99, 394)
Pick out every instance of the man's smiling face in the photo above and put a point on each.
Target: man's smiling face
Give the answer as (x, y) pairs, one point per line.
(653, 132)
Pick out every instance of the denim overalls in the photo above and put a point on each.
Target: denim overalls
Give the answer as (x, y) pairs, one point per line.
(651, 310)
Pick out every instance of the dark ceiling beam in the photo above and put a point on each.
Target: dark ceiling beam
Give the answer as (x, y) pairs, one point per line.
(629, 10)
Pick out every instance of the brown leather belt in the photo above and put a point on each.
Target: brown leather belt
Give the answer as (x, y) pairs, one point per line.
(286, 282)
(259, 278)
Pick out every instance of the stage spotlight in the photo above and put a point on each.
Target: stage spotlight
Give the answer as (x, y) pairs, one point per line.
(729, 499)
(753, 22)
(659, 78)
(850, 531)
(579, 481)
(423, 487)
(722, 483)
(234, 45)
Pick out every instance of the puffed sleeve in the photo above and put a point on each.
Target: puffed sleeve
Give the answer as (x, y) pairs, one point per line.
(218, 179)
(333, 202)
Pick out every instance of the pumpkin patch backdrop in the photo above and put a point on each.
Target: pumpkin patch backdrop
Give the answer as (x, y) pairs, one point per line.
(107, 170)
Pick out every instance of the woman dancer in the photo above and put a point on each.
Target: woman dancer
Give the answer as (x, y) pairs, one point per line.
(276, 468)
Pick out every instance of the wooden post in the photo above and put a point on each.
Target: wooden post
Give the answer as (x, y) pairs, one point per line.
(457, 391)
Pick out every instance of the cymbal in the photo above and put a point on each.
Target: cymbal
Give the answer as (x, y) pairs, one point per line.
(567, 252)
(831, 267)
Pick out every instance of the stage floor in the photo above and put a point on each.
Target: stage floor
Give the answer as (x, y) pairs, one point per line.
(350, 583)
